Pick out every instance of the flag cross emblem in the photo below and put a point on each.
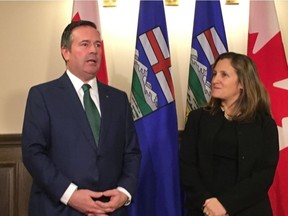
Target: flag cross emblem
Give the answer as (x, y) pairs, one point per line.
(211, 44)
(144, 98)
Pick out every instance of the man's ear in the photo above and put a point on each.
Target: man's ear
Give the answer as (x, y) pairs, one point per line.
(65, 54)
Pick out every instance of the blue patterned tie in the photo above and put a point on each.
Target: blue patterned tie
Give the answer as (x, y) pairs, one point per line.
(91, 112)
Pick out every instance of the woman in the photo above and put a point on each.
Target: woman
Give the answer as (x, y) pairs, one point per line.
(230, 147)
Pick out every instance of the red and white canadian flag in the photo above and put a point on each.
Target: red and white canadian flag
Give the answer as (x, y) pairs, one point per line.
(266, 48)
(89, 10)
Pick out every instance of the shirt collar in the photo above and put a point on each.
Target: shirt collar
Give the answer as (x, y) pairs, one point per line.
(77, 83)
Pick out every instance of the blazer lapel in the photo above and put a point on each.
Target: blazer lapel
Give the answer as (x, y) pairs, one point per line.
(209, 128)
(249, 137)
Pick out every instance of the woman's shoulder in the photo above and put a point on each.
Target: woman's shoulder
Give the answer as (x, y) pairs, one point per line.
(196, 112)
(199, 113)
(266, 119)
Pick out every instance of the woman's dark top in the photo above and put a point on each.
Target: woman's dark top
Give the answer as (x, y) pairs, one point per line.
(230, 160)
(225, 157)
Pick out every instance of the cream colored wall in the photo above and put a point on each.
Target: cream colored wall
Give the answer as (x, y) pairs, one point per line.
(30, 36)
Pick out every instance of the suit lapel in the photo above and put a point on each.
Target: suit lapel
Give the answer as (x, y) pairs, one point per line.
(73, 106)
(105, 106)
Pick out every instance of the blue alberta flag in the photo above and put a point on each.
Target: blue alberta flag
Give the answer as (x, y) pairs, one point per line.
(154, 113)
(208, 42)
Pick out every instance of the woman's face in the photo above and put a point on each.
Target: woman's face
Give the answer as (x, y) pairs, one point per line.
(225, 83)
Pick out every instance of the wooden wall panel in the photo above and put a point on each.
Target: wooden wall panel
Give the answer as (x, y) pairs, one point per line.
(15, 181)
(7, 188)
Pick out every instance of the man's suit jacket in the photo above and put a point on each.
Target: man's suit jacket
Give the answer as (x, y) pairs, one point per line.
(58, 145)
(258, 152)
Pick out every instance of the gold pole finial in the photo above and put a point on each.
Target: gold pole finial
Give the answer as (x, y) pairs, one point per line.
(171, 2)
(232, 2)
(109, 3)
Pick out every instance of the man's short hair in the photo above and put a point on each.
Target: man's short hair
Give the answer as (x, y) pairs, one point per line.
(66, 39)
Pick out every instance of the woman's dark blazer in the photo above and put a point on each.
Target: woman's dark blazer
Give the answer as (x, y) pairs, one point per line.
(258, 152)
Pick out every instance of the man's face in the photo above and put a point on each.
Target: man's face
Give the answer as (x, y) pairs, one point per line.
(84, 57)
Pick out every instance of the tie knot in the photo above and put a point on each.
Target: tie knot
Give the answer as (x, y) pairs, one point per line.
(86, 87)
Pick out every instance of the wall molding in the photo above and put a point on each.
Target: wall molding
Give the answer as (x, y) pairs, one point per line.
(10, 139)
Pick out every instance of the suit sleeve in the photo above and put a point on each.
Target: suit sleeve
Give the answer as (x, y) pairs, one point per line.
(35, 146)
(132, 154)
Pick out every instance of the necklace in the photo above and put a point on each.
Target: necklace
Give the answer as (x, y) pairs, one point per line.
(228, 117)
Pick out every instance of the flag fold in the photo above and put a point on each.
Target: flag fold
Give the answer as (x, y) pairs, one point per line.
(208, 42)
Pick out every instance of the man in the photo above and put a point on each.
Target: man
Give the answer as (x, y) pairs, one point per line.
(75, 172)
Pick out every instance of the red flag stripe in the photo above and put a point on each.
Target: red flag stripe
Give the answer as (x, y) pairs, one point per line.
(266, 48)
